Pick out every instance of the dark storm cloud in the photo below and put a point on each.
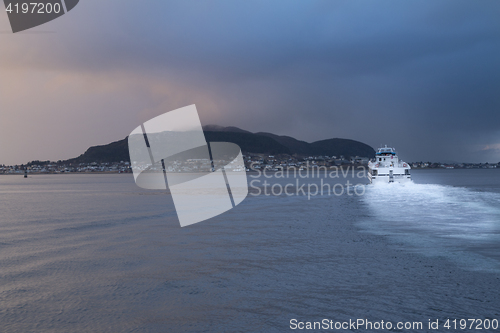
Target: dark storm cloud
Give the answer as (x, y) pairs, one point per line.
(422, 75)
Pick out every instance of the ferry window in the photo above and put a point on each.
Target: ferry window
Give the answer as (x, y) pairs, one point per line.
(380, 159)
(407, 172)
(375, 172)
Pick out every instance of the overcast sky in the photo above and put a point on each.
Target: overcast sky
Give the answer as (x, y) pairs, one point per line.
(423, 76)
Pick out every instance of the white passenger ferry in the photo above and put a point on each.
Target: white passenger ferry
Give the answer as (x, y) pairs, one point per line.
(387, 168)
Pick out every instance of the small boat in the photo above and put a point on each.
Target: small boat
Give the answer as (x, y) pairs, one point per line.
(387, 168)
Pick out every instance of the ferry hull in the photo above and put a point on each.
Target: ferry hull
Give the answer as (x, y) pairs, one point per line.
(387, 179)
(388, 168)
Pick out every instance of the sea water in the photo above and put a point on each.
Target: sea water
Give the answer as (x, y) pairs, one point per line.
(95, 253)
(451, 213)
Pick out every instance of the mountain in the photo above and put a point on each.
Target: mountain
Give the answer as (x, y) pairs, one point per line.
(249, 142)
(335, 147)
(339, 147)
(297, 146)
(263, 143)
(217, 128)
(114, 152)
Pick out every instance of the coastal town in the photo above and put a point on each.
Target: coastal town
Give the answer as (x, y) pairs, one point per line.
(252, 162)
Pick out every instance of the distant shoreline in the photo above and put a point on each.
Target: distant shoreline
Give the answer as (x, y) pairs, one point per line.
(270, 172)
(66, 173)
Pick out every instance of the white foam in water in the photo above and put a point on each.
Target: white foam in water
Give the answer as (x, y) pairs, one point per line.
(437, 220)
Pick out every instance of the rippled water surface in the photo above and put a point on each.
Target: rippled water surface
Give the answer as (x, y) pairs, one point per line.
(94, 253)
(457, 215)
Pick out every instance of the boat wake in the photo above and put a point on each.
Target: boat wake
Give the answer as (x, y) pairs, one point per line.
(455, 222)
